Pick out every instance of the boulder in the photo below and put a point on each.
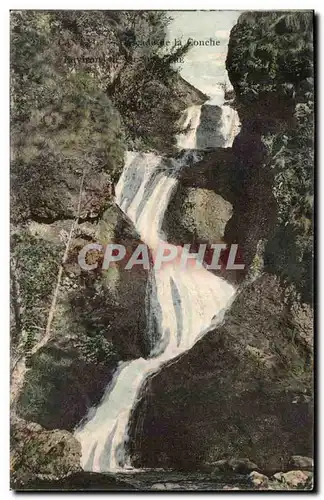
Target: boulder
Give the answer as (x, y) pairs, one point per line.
(99, 320)
(299, 462)
(294, 478)
(38, 453)
(238, 465)
(258, 480)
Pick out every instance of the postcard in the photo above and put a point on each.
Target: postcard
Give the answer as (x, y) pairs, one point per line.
(162, 184)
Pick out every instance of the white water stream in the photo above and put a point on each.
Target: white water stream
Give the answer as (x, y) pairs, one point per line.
(203, 130)
(186, 304)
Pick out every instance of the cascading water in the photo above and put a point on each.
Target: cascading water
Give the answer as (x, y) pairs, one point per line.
(208, 126)
(186, 303)
(189, 124)
(230, 125)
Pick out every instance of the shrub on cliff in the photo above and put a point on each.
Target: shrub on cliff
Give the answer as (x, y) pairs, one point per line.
(130, 63)
(270, 53)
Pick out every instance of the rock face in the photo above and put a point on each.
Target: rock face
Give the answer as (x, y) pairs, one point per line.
(217, 127)
(64, 168)
(187, 94)
(258, 480)
(80, 481)
(58, 198)
(99, 320)
(37, 453)
(196, 215)
(274, 152)
(242, 390)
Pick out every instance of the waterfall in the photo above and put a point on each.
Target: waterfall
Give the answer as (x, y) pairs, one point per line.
(208, 126)
(189, 124)
(186, 304)
(230, 125)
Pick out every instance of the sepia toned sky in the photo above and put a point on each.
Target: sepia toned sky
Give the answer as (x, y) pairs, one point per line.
(204, 66)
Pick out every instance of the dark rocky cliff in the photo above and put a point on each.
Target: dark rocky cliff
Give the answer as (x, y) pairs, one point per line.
(270, 64)
(245, 389)
(100, 320)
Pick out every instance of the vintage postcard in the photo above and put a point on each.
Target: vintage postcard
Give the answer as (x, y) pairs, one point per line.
(162, 168)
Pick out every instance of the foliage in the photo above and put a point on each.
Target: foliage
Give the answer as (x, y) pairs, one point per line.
(84, 85)
(133, 66)
(61, 122)
(95, 348)
(36, 262)
(275, 54)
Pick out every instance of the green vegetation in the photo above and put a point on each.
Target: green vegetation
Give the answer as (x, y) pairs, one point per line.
(293, 163)
(274, 56)
(61, 385)
(61, 123)
(85, 86)
(270, 63)
(34, 270)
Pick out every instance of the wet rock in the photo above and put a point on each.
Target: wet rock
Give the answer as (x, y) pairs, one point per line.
(300, 462)
(99, 320)
(258, 480)
(294, 478)
(238, 465)
(80, 481)
(196, 215)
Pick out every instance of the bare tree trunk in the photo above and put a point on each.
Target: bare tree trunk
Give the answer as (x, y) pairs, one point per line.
(17, 381)
(16, 299)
